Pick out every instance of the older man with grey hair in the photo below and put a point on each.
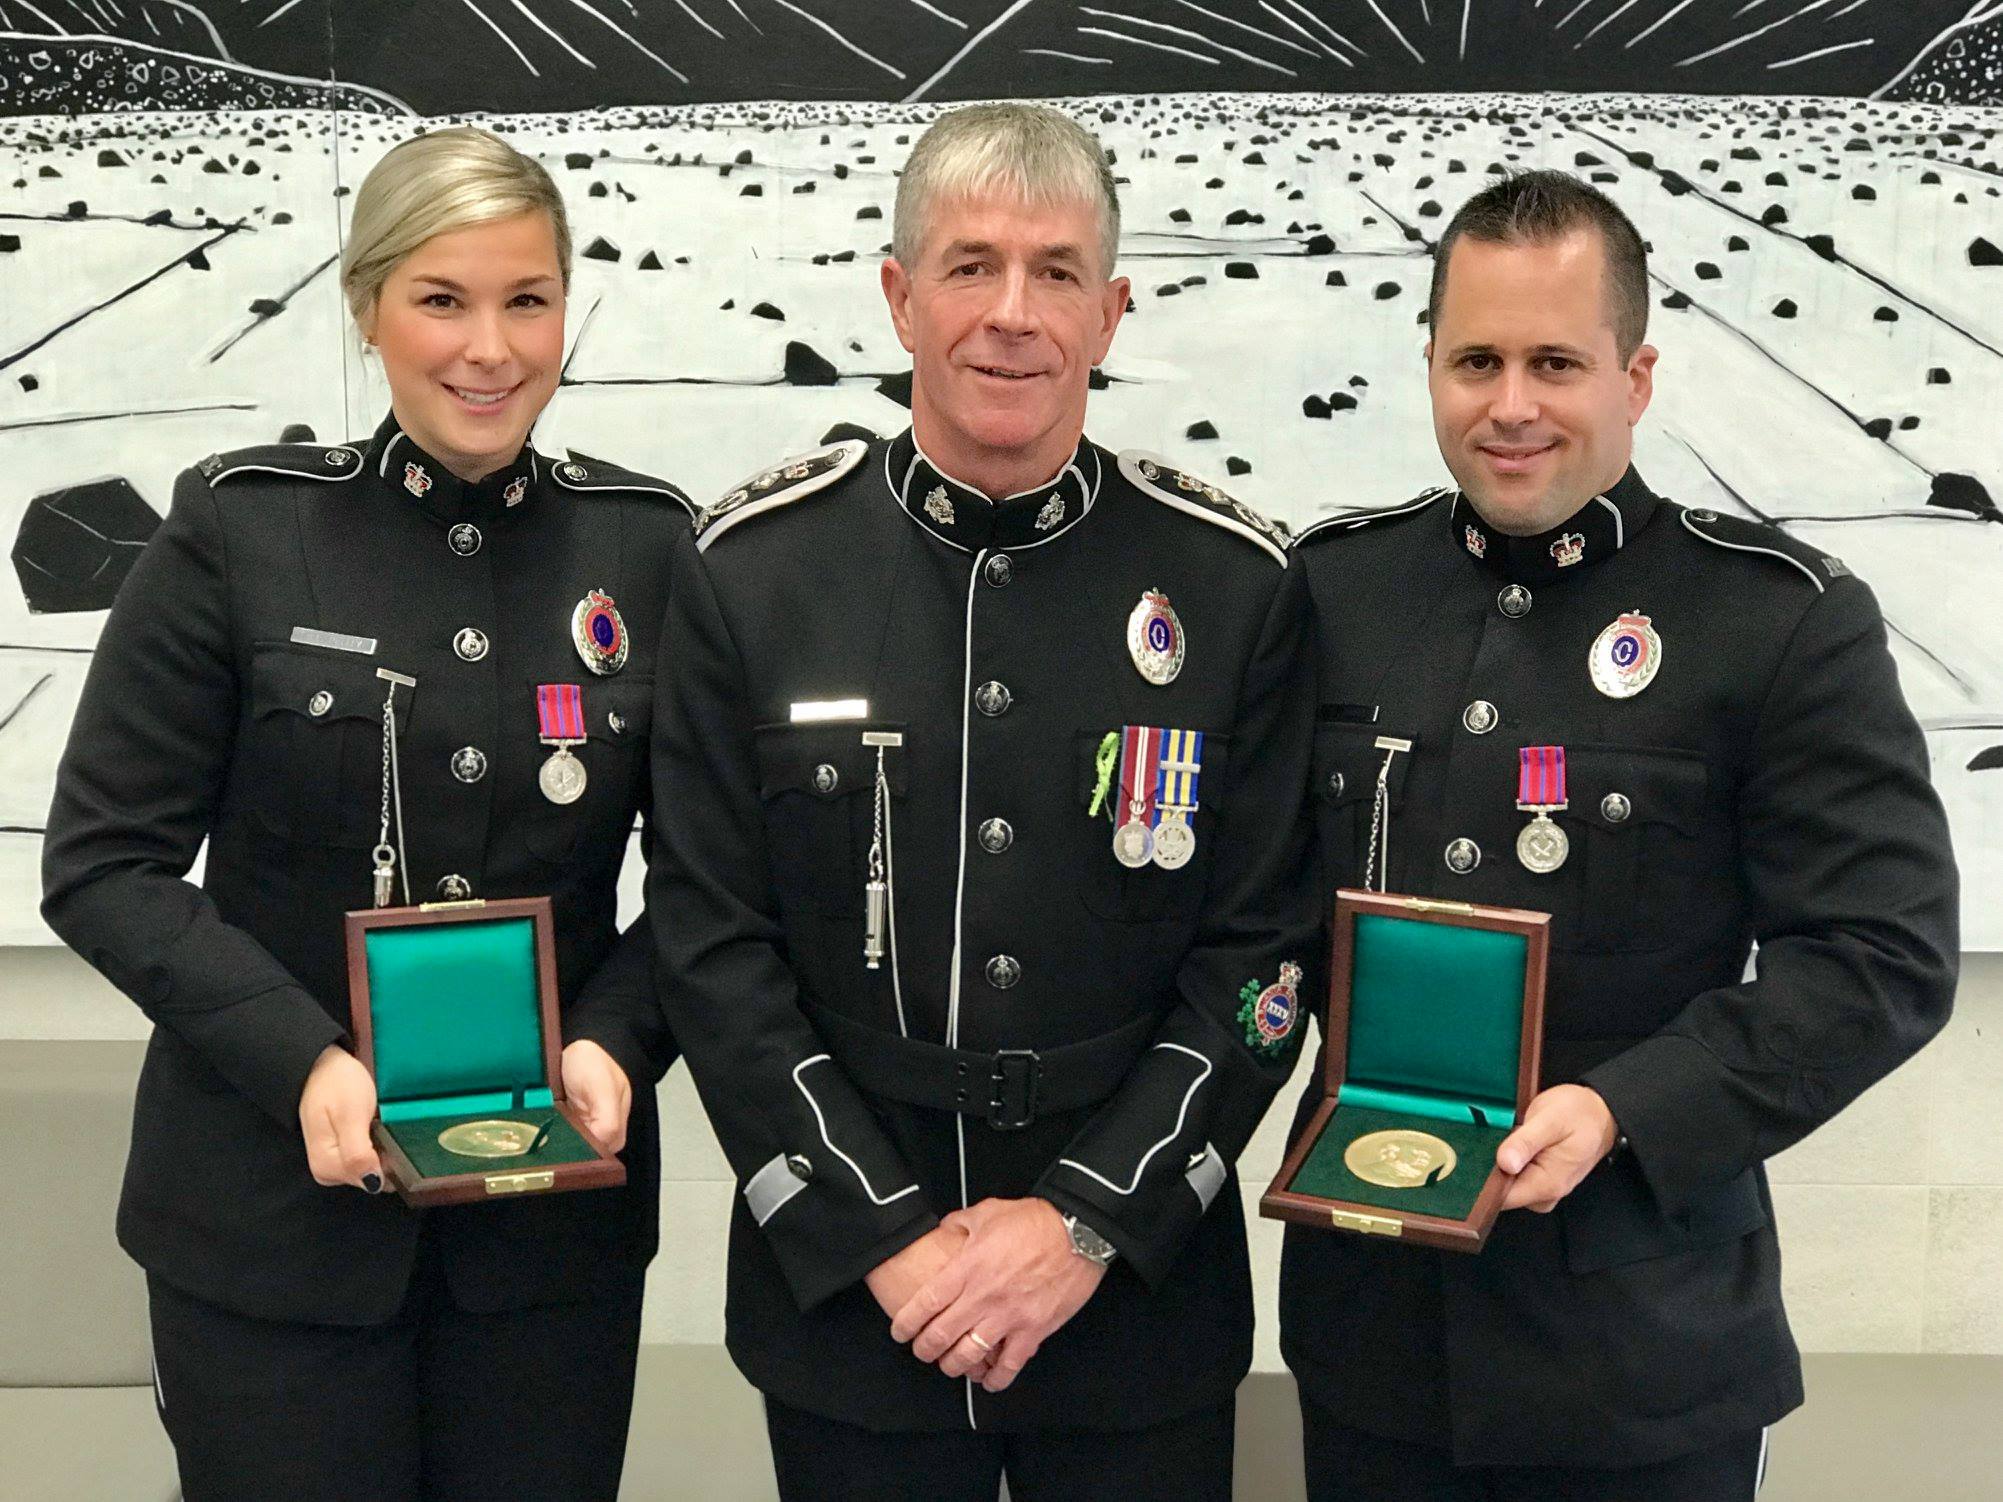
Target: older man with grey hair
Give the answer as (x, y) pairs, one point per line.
(985, 911)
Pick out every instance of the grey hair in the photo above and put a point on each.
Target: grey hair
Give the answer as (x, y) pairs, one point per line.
(433, 184)
(1028, 152)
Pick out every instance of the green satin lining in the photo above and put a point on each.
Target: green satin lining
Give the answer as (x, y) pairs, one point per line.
(1325, 1174)
(1435, 1017)
(455, 1011)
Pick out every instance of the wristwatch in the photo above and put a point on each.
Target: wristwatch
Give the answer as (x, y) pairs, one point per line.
(1088, 1243)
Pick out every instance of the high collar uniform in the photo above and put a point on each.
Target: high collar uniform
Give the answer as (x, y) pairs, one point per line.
(1768, 784)
(983, 644)
(235, 696)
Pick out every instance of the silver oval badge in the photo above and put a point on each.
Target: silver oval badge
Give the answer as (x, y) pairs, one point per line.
(1154, 639)
(1625, 657)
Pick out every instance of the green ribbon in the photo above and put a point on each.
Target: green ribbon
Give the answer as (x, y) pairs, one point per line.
(1109, 755)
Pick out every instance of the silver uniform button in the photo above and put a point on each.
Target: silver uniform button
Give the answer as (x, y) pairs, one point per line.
(1480, 717)
(454, 888)
(1463, 855)
(1703, 514)
(798, 1165)
(1514, 602)
(469, 764)
(1615, 808)
(996, 836)
(826, 778)
(1001, 571)
(993, 698)
(1003, 971)
(617, 721)
(571, 471)
(470, 644)
(1336, 784)
(319, 704)
(464, 539)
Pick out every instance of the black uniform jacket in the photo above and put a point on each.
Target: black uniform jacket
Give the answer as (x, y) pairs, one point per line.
(989, 640)
(1768, 786)
(234, 696)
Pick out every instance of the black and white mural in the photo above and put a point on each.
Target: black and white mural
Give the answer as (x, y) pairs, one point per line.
(1821, 182)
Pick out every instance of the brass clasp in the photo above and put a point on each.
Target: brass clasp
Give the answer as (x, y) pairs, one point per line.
(521, 1183)
(1369, 1225)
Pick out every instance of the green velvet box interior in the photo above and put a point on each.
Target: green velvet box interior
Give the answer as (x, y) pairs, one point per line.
(1435, 1037)
(456, 1018)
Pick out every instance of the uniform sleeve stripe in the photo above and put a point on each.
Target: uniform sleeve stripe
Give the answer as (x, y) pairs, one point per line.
(854, 1167)
(1172, 1133)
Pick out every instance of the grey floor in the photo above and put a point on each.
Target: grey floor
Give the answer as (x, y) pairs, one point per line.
(1874, 1427)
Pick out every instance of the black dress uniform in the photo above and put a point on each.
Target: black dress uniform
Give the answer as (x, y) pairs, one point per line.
(1766, 785)
(235, 697)
(1044, 1021)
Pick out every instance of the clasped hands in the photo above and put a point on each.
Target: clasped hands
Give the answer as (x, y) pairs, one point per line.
(979, 1293)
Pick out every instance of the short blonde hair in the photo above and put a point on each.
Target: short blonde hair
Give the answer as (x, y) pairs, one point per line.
(433, 184)
(1029, 152)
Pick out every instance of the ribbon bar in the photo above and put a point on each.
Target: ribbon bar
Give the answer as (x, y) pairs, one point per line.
(560, 713)
(1181, 768)
(1540, 778)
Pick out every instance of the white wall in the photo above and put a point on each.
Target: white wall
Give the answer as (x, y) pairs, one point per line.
(1891, 1217)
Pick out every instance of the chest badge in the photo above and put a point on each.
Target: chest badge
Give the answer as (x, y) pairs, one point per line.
(1625, 657)
(1154, 639)
(599, 633)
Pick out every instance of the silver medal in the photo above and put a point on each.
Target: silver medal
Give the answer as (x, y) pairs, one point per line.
(1542, 846)
(562, 777)
(1175, 841)
(1133, 844)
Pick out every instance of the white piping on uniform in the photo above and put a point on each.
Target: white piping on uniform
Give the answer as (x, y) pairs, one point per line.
(1174, 1132)
(1760, 1475)
(1090, 493)
(855, 1167)
(290, 474)
(798, 491)
(1620, 524)
(1746, 547)
(960, 887)
(1380, 513)
(382, 466)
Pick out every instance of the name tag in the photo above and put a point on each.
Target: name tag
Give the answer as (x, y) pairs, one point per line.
(339, 641)
(808, 711)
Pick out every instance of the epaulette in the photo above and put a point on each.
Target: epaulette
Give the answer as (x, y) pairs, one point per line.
(1743, 536)
(584, 473)
(780, 485)
(1351, 521)
(299, 461)
(1186, 492)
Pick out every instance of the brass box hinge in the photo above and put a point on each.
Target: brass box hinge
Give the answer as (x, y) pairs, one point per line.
(521, 1183)
(1369, 1225)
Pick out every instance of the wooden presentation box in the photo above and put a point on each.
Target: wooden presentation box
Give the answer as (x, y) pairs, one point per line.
(454, 1011)
(1434, 1024)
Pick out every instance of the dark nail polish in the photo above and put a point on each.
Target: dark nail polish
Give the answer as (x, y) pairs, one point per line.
(372, 1182)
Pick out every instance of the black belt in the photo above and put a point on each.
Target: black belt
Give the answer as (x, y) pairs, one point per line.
(1009, 1087)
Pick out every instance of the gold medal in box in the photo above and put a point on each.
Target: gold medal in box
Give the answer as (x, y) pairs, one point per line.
(454, 1013)
(1434, 1024)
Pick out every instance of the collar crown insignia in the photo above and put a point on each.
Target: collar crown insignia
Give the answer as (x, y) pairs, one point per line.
(1051, 514)
(1476, 543)
(1569, 549)
(415, 480)
(939, 506)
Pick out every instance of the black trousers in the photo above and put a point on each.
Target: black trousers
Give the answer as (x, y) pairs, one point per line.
(1348, 1465)
(824, 1460)
(439, 1405)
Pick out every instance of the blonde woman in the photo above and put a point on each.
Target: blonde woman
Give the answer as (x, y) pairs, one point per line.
(313, 1337)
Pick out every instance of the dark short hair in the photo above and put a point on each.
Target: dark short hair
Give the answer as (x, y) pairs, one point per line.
(1536, 208)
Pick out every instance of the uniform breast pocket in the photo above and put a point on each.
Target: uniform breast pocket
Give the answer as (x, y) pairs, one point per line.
(1157, 890)
(618, 714)
(818, 784)
(1347, 764)
(1654, 840)
(312, 769)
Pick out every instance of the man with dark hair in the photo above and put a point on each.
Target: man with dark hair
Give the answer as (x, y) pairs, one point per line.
(1737, 766)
